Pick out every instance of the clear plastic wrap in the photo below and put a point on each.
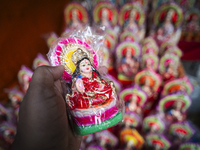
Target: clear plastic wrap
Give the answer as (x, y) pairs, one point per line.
(93, 102)
(105, 58)
(117, 84)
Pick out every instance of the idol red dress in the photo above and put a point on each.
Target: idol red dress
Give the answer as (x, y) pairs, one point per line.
(97, 92)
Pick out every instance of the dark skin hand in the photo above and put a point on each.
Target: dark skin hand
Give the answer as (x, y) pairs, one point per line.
(43, 121)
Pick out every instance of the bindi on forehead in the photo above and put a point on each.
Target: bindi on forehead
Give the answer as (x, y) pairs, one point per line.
(85, 61)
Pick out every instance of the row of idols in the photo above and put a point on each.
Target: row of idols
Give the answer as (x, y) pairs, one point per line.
(164, 23)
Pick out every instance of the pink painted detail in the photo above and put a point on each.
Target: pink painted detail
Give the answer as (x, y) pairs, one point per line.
(149, 50)
(168, 61)
(90, 120)
(86, 45)
(71, 40)
(58, 48)
(66, 77)
(80, 42)
(95, 60)
(64, 42)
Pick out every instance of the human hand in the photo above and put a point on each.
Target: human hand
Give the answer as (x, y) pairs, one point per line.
(43, 121)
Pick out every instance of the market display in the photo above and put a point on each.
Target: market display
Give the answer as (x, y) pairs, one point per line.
(122, 61)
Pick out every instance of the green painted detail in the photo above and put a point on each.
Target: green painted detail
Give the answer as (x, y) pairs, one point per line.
(124, 78)
(185, 127)
(167, 7)
(183, 98)
(151, 137)
(156, 120)
(84, 130)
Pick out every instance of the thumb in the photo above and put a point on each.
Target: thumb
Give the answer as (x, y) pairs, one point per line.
(47, 74)
(56, 71)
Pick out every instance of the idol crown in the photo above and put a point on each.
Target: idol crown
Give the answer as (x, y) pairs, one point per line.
(79, 54)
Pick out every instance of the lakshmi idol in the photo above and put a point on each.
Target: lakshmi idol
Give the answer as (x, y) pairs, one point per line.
(93, 103)
(168, 26)
(88, 89)
(104, 18)
(131, 24)
(92, 100)
(75, 22)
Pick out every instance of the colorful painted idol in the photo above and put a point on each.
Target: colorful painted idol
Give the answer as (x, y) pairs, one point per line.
(128, 54)
(24, 77)
(181, 85)
(16, 97)
(150, 83)
(153, 124)
(134, 99)
(157, 142)
(105, 14)
(92, 101)
(40, 60)
(76, 16)
(168, 67)
(130, 139)
(180, 132)
(106, 139)
(167, 20)
(174, 106)
(131, 18)
(131, 120)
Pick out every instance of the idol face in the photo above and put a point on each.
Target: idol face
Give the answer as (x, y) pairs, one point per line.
(85, 66)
